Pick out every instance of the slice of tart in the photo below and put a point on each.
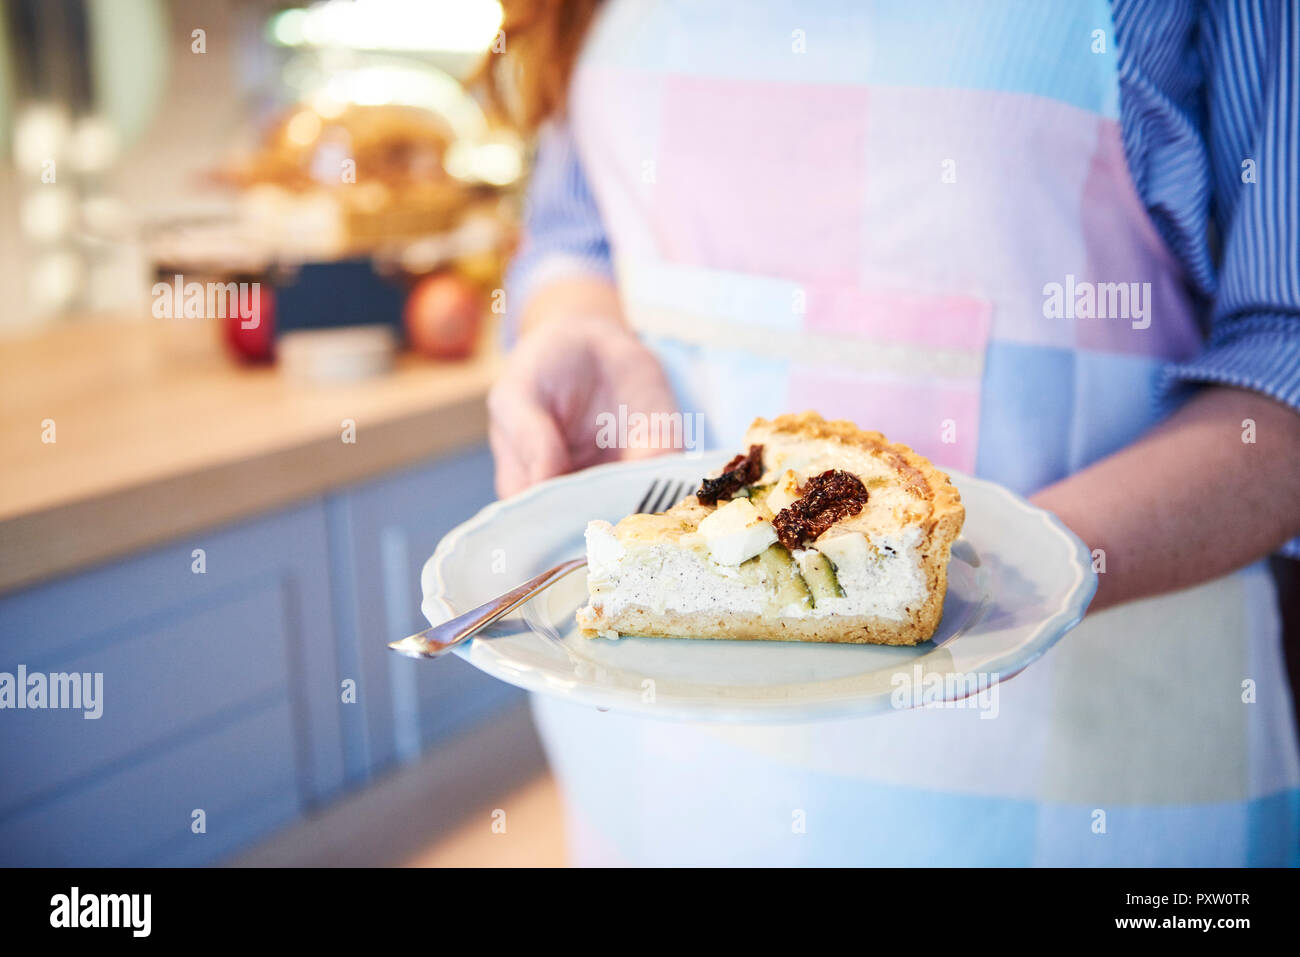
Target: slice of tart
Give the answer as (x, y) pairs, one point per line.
(819, 531)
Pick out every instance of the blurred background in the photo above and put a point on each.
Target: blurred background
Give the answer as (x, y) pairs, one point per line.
(252, 257)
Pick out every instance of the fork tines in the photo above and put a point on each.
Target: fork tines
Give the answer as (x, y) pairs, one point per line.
(662, 494)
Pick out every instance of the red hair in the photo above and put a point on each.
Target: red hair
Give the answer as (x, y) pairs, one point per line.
(527, 76)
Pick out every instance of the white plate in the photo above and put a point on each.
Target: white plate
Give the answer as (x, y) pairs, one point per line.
(1018, 581)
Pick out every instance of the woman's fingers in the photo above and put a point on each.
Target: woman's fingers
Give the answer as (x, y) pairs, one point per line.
(546, 410)
(510, 475)
(637, 452)
(526, 443)
(666, 428)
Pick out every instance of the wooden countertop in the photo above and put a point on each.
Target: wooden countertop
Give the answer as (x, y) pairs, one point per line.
(158, 434)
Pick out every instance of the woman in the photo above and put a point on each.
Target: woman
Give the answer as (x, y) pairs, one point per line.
(1052, 245)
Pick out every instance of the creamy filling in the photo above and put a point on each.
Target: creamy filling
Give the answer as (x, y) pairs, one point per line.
(883, 580)
(886, 582)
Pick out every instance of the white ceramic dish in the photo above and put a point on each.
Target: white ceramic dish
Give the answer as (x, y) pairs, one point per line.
(1018, 581)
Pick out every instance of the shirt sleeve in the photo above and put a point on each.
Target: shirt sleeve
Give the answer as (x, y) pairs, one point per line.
(563, 234)
(1250, 54)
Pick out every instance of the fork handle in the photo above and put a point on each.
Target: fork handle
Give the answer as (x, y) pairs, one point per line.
(440, 639)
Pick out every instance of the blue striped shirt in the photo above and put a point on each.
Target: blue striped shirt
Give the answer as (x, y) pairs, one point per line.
(1209, 94)
(1210, 114)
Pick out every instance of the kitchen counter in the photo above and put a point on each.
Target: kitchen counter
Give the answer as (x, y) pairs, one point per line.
(158, 434)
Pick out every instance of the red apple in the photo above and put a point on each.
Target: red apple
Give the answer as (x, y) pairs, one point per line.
(443, 315)
(253, 339)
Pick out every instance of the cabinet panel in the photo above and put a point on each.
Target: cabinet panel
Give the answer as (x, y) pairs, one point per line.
(390, 528)
(188, 656)
(155, 685)
(241, 777)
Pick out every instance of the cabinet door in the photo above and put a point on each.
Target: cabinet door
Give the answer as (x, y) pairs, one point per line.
(219, 692)
(386, 530)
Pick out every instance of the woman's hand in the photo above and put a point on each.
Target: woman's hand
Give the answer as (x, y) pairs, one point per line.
(576, 360)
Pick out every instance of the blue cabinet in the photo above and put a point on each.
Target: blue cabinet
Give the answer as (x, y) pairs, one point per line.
(385, 531)
(218, 696)
(241, 687)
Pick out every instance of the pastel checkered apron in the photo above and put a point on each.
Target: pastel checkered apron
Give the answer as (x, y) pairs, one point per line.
(889, 222)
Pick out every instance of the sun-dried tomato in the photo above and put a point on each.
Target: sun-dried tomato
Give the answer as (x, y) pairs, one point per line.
(741, 471)
(827, 498)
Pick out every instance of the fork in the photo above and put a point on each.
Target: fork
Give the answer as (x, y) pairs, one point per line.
(440, 639)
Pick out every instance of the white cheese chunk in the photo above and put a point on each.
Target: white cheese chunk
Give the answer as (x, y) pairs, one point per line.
(604, 550)
(784, 492)
(844, 549)
(736, 532)
(807, 560)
